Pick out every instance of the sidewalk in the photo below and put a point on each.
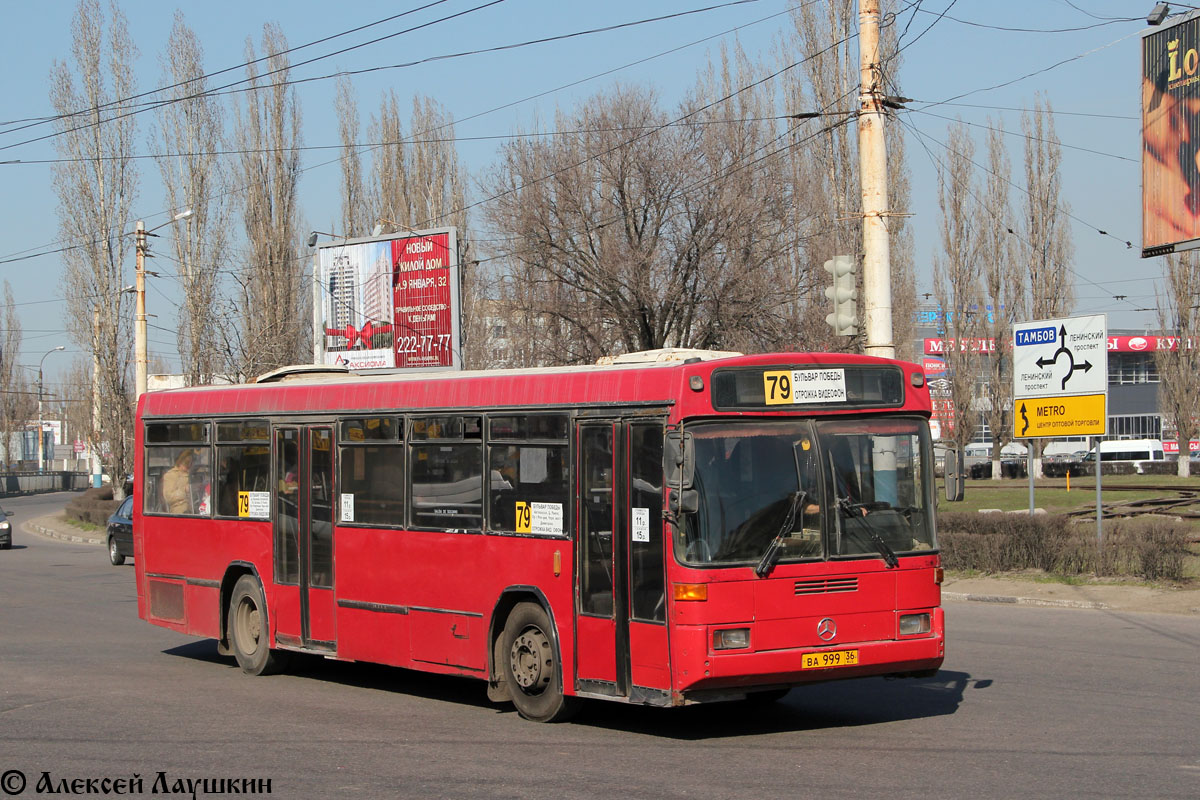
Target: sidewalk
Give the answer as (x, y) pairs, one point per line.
(1026, 590)
(1012, 589)
(55, 526)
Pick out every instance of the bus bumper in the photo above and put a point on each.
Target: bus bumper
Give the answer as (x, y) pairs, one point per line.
(700, 670)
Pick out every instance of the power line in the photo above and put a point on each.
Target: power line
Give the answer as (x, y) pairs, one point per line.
(1032, 138)
(377, 145)
(921, 136)
(206, 76)
(25, 255)
(157, 104)
(220, 90)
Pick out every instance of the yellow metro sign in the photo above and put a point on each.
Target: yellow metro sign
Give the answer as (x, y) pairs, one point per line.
(1040, 417)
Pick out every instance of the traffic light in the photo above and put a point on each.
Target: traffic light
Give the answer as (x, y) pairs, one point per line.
(844, 295)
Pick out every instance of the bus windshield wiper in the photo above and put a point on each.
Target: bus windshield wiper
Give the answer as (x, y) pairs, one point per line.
(775, 548)
(851, 510)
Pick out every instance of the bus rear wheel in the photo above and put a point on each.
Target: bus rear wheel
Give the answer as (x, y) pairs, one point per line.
(247, 629)
(532, 668)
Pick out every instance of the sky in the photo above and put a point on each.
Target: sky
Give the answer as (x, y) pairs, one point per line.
(980, 61)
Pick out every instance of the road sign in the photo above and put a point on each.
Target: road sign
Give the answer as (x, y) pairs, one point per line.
(1052, 417)
(1060, 377)
(1060, 357)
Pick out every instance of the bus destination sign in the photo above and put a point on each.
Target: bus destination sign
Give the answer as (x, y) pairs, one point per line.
(804, 386)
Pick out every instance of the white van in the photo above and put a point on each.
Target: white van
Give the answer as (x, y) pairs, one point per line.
(1135, 451)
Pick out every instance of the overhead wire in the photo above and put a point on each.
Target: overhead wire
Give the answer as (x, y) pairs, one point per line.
(221, 90)
(24, 255)
(206, 76)
(922, 136)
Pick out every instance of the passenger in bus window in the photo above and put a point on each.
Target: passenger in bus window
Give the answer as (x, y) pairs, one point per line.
(288, 483)
(176, 484)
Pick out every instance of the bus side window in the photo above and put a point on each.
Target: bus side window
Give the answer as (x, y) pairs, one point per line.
(647, 584)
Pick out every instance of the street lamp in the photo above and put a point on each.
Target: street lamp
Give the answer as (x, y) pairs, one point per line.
(41, 460)
(139, 346)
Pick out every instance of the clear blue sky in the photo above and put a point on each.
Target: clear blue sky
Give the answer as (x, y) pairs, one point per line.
(967, 50)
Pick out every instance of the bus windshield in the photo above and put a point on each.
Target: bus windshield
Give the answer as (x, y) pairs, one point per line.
(809, 490)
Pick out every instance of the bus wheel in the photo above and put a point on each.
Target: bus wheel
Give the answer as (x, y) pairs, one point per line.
(532, 668)
(247, 628)
(114, 555)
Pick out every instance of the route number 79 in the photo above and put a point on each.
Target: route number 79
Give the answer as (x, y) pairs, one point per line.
(777, 387)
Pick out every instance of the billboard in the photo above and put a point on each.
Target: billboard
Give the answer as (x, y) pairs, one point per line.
(1171, 136)
(389, 302)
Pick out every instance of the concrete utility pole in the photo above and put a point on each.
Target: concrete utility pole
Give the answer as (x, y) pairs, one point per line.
(139, 347)
(872, 167)
(139, 332)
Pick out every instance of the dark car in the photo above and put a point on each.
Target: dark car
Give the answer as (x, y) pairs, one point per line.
(5, 530)
(120, 533)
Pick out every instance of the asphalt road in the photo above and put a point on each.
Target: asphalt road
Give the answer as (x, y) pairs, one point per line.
(1032, 703)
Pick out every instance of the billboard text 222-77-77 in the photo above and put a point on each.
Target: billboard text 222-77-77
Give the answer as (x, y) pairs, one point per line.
(391, 302)
(1171, 137)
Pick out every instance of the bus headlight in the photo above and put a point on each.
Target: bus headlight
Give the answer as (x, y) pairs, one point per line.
(911, 624)
(731, 639)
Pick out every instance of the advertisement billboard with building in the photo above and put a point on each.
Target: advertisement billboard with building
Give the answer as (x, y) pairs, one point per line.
(390, 302)
(1171, 136)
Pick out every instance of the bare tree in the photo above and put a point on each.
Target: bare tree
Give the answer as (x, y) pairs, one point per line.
(1179, 369)
(1001, 290)
(822, 35)
(272, 305)
(1047, 250)
(356, 207)
(1046, 245)
(191, 131)
(628, 240)
(417, 184)
(737, 189)
(16, 395)
(956, 281)
(96, 183)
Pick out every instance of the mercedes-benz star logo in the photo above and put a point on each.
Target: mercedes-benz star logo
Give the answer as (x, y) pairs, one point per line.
(827, 629)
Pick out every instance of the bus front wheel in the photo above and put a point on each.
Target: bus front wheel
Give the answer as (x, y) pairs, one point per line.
(247, 629)
(532, 668)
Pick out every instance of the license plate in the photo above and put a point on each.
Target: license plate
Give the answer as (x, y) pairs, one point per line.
(830, 658)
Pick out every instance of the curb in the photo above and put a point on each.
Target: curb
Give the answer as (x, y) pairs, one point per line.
(33, 527)
(1025, 601)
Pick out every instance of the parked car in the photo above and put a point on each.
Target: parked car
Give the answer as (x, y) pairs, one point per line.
(5, 530)
(120, 533)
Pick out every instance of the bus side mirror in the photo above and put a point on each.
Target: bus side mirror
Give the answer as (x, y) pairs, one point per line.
(685, 502)
(679, 460)
(955, 479)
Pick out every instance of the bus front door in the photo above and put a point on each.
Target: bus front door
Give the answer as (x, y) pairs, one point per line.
(304, 537)
(621, 637)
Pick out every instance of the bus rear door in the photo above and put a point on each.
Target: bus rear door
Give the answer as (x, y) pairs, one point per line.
(304, 537)
(621, 635)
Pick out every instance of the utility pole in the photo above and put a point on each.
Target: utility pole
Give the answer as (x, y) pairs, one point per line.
(139, 332)
(872, 167)
(139, 346)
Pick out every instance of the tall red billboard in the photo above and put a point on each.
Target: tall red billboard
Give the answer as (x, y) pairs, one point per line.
(426, 318)
(1171, 136)
(391, 302)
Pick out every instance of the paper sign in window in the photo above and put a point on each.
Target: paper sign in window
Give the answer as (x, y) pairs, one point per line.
(347, 507)
(546, 519)
(254, 504)
(641, 524)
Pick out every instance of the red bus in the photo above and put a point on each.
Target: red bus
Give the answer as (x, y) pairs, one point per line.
(663, 532)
